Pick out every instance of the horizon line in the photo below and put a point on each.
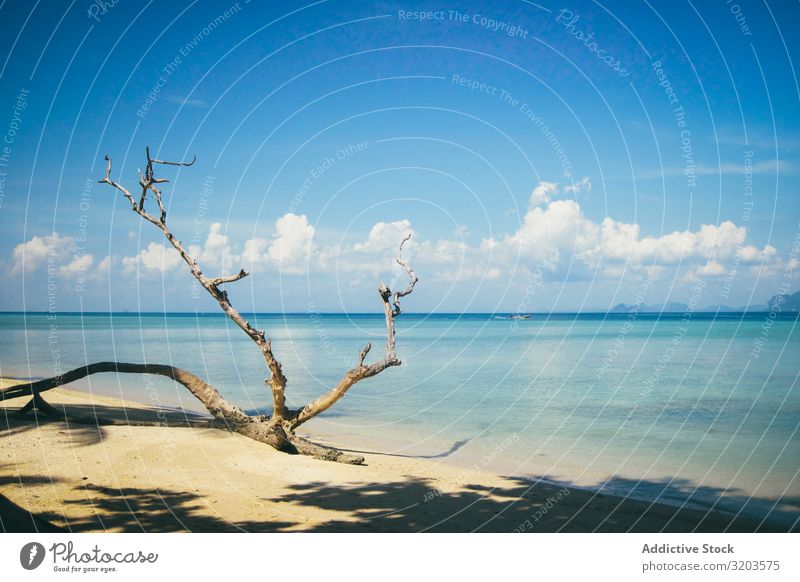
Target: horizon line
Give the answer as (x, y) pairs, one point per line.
(756, 309)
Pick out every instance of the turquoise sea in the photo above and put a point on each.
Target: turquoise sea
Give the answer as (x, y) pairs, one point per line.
(697, 408)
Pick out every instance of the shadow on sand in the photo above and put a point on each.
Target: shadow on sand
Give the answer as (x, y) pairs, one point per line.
(536, 503)
(406, 506)
(526, 505)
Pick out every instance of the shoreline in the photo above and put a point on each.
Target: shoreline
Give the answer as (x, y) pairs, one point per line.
(756, 310)
(576, 476)
(181, 477)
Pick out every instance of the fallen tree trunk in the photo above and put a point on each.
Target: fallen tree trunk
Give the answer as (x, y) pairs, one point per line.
(203, 391)
(275, 432)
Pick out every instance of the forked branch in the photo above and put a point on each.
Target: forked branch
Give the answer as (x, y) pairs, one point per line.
(391, 308)
(147, 182)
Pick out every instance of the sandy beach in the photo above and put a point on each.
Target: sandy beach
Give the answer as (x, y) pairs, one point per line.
(181, 476)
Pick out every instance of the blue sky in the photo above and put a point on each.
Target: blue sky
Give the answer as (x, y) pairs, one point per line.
(544, 156)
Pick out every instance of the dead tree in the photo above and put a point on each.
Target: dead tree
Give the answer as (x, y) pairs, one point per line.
(277, 430)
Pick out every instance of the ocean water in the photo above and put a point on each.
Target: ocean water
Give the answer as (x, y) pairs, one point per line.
(701, 410)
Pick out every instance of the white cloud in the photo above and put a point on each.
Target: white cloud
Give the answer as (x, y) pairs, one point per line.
(104, 265)
(255, 251)
(374, 256)
(711, 269)
(79, 265)
(155, 258)
(216, 250)
(750, 254)
(550, 228)
(289, 250)
(561, 226)
(581, 185)
(384, 236)
(28, 256)
(61, 254)
(100, 272)
(709, 243)
(558, 226)
(543, 193)
(546, 191)
(292, 245)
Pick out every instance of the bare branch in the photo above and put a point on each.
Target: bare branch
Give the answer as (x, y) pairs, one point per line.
(166, 163)
(136, 208)
(107, 180)
(391, 308)
(161, 208)
(362, 356)
(227, 417)
(413, 279)
(143, 184)
(276, 381)
(203, 391)
(306, 447)
(229, 279)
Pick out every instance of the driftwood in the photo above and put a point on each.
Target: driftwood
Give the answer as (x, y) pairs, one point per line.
(276, 430)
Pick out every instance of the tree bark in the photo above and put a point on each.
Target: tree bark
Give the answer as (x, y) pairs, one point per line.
(203, 391)
(271, 431)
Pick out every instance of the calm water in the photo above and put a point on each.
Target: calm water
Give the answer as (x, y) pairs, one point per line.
(705, 410)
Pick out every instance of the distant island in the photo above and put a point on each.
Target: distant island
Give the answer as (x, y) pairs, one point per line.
(789, 304)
